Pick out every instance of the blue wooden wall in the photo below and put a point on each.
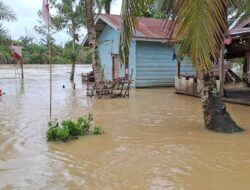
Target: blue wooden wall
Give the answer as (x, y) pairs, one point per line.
(152, 62)
(155, 65)
(108, 44)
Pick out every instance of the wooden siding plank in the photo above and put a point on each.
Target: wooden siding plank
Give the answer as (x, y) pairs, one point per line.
(155, 77)
(154, 65)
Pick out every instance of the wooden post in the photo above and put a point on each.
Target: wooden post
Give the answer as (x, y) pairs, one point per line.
(221, 71)
(178, 65)
(21, 63)
(248, 62)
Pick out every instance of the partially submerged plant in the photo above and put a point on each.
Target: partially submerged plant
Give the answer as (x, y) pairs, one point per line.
(69, 129)
(98, 131)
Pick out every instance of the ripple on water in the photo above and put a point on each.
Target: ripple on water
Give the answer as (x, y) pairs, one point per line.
(153, 140)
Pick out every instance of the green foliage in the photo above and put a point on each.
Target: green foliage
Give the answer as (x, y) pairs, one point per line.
(81, 55)
(37, 53)
(87, 56)
(98, 131)
(6, 14)
(59, 60)
(191, 20)
(72, 129)
(5, 55)
(68, 12)
(58, 134)
(130, 11)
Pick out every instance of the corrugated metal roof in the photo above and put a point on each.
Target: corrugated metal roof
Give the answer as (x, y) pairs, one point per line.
(239, 31)
(151, 28)
(243, 28)
(243, 24)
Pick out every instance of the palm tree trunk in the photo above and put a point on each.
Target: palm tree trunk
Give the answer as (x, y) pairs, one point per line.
(92, 41)
(215, 115)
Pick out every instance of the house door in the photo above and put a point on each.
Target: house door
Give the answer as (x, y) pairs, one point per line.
(116, 66)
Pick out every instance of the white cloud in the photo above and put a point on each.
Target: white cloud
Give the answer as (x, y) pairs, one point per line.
(116, 7)
(26, 11)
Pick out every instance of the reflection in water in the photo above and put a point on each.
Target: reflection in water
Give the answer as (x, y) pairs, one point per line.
(153, 140)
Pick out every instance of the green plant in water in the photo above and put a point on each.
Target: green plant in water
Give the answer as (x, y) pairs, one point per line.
(72, 129)
(98, 131)
(58, 134)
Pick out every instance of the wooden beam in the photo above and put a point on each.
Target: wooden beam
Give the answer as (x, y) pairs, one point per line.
(248, 62)
(21, 63)
(178, 70)
(221, 71)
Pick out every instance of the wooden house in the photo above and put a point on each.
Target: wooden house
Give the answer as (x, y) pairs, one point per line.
(151, 61)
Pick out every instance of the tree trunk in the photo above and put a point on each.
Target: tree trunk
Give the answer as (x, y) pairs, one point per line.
(92, 41)
(73, 60)
(73, 54)
(107, 6)
(215, 115)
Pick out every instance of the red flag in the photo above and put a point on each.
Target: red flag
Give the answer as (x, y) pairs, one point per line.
(16, 52)
(45, 13)
(228, 41)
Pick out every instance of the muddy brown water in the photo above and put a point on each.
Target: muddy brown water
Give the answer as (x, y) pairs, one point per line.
(153, 140)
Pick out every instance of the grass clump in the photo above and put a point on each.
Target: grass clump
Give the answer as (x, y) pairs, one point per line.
(69, 129)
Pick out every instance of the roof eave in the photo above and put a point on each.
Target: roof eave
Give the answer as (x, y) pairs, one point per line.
(104, 19)
(162, 40)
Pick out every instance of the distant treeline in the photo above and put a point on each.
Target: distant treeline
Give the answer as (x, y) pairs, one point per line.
(37, 53)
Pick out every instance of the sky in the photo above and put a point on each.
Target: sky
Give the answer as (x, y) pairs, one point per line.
(26, 12)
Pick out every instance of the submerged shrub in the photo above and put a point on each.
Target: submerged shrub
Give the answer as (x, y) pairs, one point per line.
(98, 131)
(72, 129)
(58, 134)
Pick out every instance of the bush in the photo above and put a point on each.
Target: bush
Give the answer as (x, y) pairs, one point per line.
(98, 131)
(72, 129)
(58, 133)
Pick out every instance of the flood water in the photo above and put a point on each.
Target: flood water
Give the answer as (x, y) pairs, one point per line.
(154, 140)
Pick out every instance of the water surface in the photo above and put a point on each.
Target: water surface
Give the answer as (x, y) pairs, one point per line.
(153, 140)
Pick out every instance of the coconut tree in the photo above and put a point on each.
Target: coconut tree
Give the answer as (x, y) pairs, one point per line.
(6, 14)
(92, 39)
(199, 28)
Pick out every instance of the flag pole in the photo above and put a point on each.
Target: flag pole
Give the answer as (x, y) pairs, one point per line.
(50, 71)
(47, 21)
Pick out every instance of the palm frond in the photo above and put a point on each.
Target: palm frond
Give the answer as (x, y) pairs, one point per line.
(244, 9)
(200, 27)
(239, 10)
(6, 13)
(5, 54)
(131, 9)
(4, 37)
(169, 7)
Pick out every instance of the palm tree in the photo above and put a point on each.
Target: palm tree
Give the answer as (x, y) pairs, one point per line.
(199, 27)
(92, 40)
(6, 14)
